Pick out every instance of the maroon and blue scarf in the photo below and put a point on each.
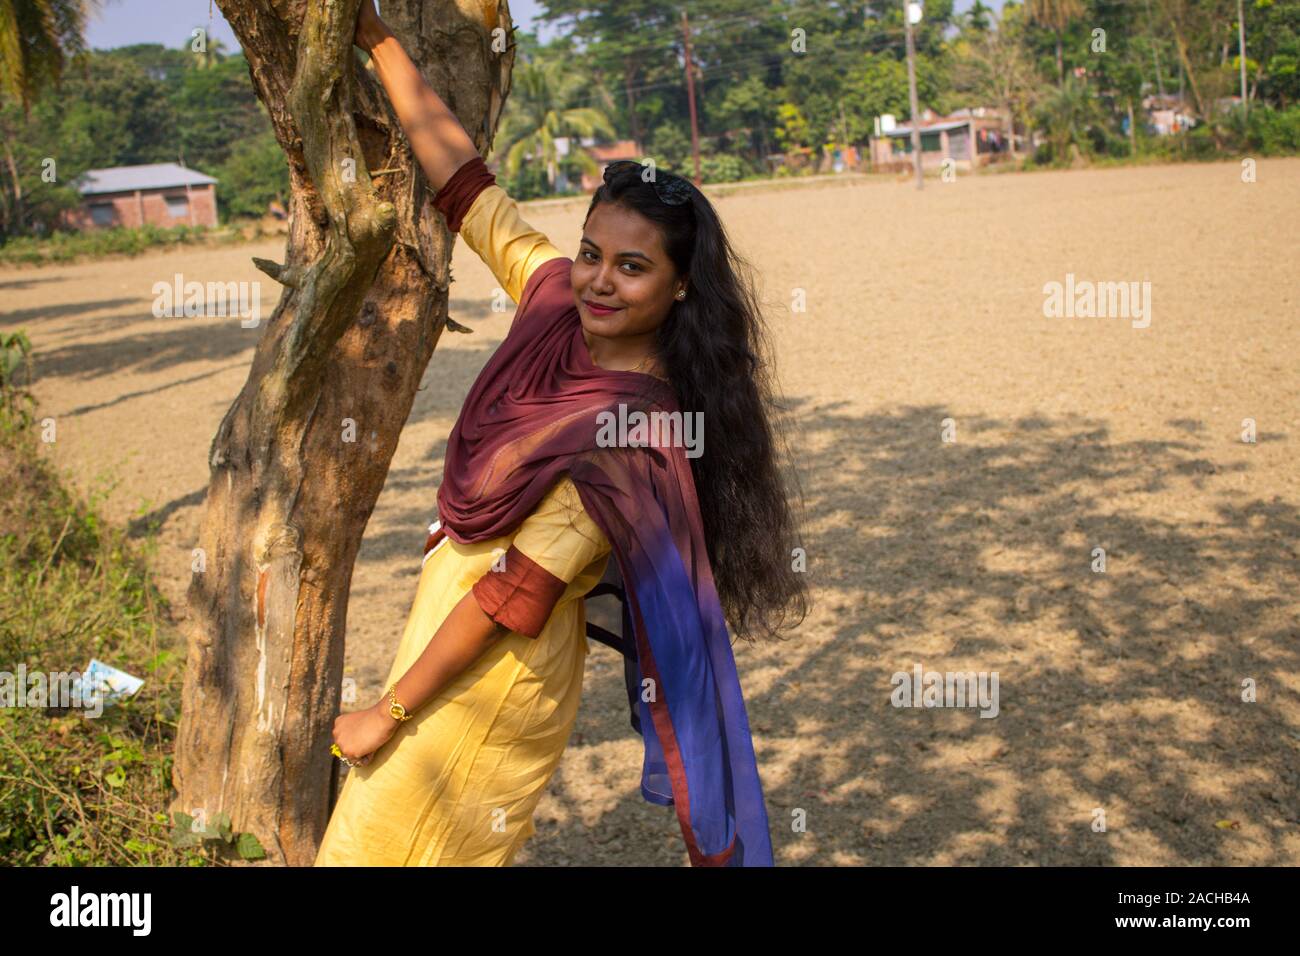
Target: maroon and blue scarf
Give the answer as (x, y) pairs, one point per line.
(533, 414)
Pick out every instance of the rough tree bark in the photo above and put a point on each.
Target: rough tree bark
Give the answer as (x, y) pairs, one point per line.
(363, 303)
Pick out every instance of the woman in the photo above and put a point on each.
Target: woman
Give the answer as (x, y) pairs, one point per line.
(540, 488)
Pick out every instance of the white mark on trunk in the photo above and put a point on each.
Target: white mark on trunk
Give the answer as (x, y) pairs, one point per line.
(259, 629)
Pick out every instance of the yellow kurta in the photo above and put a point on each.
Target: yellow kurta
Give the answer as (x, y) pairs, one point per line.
(457, 784)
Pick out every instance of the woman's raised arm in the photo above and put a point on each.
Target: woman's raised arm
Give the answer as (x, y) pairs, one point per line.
(484, 215)
(440, 143)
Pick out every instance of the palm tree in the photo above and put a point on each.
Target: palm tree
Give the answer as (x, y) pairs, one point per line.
(979, 17)
(540, 111)
(1066, 116)
(37, 37)
(1056, 15)
(213, 51)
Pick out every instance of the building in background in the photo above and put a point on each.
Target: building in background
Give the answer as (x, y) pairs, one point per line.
(160, 194)
(1167, 115)
(604, 155)
(969, 137)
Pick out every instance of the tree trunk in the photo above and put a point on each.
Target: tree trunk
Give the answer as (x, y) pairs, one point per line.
(1008, 105)
(1132, 130)
(301, 456)
(1155, 53)
(629, 71)
(18, 214)
(5, 226)
(1186, 68)
(1060, 62)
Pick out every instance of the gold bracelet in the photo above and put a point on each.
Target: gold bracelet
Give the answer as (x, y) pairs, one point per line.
(396, 710)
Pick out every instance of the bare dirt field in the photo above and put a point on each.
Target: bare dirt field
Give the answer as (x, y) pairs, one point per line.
(1120, 694)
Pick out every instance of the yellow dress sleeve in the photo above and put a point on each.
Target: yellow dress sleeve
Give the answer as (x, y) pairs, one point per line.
(550, 549)
(560, 535)
(511, 248)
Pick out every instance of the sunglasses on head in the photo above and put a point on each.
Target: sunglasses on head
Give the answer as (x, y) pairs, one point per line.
(672, 190)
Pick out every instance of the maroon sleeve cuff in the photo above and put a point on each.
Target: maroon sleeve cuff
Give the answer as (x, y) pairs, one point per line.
(459, 192)
(521, 597)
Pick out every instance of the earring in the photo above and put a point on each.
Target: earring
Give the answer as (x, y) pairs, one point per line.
(681, 294)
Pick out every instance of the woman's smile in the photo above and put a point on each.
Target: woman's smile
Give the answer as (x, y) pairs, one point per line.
(599, 309)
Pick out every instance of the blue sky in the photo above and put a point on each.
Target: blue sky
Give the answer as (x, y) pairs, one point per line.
(123, 22)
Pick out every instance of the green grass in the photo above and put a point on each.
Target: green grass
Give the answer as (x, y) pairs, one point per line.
(77, 790)
(118, 241)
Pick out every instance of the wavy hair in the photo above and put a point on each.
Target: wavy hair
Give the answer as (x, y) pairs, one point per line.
(714, 349)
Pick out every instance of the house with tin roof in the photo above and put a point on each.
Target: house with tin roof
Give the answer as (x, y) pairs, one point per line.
(604, 154)
(968, 137)
(161, 194)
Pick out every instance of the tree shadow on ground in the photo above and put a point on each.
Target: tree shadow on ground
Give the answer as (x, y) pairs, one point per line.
(26, 282)
(142, 344)
(150, 348)
(1119, 691)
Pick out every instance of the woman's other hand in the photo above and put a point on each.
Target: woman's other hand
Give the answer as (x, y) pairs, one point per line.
(370, 28)
(361, 733)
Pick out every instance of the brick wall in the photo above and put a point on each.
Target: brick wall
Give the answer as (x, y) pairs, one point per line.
(158, 207)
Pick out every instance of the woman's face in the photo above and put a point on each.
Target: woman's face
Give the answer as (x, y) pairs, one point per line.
(622, 263)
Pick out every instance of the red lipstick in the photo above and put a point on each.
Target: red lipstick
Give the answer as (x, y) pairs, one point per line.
(599, 309)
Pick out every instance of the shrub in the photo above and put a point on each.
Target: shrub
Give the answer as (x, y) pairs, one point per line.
(65, 246)
(722, 168)
(79, 790)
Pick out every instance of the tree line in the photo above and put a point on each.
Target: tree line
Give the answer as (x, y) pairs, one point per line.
(782, 84)
(779, 85)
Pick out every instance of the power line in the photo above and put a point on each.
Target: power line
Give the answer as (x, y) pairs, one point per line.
(724, 67)
(671, 29)
(667, 35)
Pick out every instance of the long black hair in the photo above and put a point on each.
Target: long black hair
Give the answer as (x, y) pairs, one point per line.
(714, 349)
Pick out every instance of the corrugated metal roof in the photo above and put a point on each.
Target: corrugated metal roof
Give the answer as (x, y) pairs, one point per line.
(129, 178)
(933, 128)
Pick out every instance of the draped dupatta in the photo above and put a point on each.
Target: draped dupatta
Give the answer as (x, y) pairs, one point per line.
(534, 412)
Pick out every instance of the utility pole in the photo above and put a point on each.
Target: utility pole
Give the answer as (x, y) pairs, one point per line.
(690, 97)
(1241, 50)
(911, 93)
